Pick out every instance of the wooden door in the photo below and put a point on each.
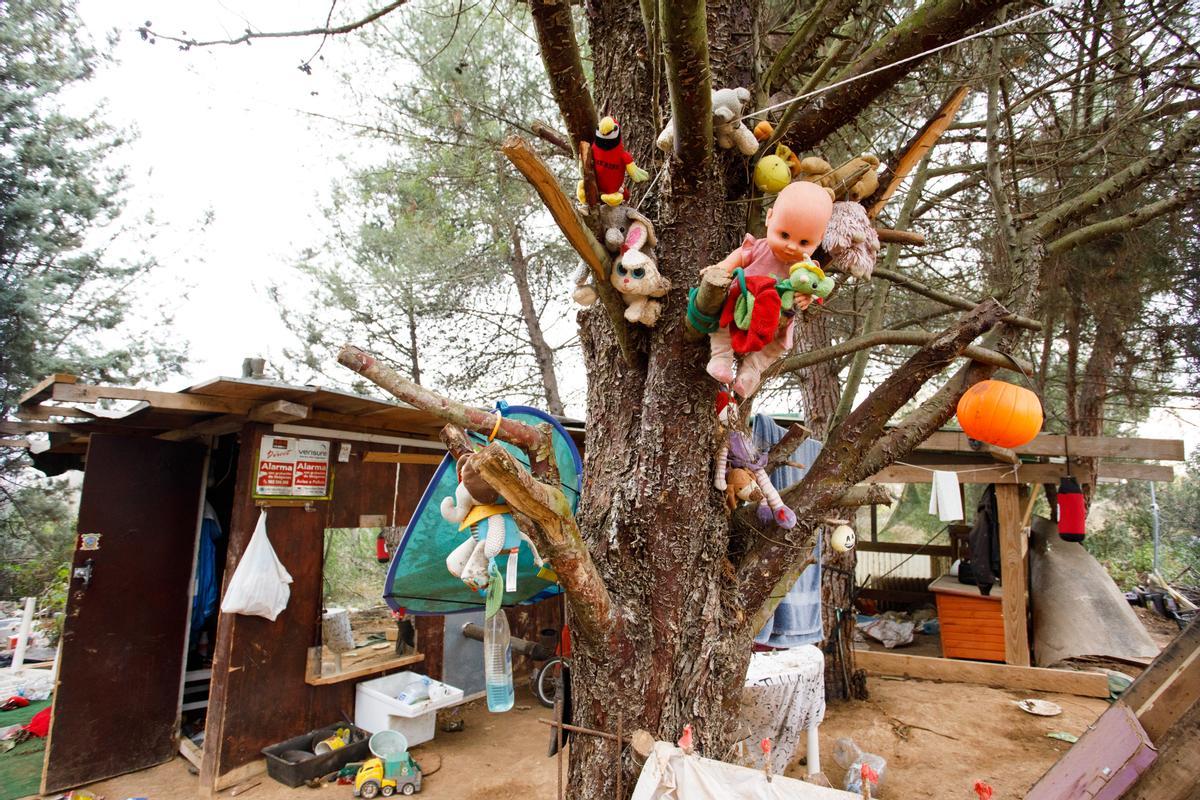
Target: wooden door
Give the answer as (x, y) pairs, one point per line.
(116, 703)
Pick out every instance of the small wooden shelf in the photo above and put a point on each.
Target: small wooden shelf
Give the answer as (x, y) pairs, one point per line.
(313, 676)
(971, 624)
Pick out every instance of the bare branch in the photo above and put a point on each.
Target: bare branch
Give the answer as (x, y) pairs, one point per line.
(781, 451)
(1165, 157)
(1123, 223)
(689, 78)
(804, 41)
(548, 134)
(560, 53)
(946, 298)
(526, 437)
(186, 44)
(934, 23)
(881, 337)
(870, 494)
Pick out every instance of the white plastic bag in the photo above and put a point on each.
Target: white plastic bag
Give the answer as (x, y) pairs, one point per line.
(259, 585)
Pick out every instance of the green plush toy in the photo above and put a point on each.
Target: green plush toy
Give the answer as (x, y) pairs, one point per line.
(806, 281)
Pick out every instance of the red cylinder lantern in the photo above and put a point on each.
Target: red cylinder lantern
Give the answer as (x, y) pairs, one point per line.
(1000, 413)
(381, 553)
(1071, 511)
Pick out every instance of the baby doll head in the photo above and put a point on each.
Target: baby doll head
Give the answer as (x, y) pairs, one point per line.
(796, 223)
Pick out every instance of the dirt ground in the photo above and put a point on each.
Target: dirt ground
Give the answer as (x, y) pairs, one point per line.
(938, 739)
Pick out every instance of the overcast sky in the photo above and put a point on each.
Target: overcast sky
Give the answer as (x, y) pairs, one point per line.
(227, 159)
(238, 136)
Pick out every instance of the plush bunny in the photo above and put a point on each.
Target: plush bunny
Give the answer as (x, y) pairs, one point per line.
(479, 507)
(730, 130)
(635, 275)
(851, 240)
(616, 221)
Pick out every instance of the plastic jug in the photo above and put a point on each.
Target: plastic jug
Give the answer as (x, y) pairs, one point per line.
(497, 662)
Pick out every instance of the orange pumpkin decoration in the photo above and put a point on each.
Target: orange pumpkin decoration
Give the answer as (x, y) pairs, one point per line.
(1000, 413)
(763, 131)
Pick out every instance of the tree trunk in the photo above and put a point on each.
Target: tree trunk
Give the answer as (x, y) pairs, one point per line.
(542, 353)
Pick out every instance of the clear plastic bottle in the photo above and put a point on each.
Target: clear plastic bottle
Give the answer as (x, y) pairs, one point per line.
(497, 662)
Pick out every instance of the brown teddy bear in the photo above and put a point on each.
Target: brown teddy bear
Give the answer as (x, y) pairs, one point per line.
(819, 171)
(740, 487)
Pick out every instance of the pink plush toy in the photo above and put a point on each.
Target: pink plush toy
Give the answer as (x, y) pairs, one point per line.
(795, 226)
(851, 240)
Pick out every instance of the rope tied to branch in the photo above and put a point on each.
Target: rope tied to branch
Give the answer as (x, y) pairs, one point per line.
(704, 323)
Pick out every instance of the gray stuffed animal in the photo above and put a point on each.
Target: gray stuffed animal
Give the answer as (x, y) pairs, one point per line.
(617, 221)
(727, 105)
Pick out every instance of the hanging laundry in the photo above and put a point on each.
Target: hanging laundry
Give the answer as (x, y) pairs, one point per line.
(944, 498)
(207, 592)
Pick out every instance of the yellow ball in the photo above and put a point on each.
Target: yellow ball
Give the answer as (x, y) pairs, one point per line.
(771, 174)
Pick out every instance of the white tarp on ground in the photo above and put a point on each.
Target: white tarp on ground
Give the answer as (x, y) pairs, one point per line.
(668, 774)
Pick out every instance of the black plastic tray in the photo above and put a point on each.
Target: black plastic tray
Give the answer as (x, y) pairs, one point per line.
(297, 773)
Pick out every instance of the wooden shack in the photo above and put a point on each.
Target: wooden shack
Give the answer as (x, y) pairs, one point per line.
(150, 466)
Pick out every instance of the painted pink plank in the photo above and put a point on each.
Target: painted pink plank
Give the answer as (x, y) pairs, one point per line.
(1105, 761)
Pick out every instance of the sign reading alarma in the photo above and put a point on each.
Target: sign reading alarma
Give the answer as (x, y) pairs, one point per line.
(290, 467)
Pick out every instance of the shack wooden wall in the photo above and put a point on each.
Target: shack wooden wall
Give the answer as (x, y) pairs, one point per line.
(258, 695)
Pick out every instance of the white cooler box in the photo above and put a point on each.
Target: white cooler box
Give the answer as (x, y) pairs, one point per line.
(376, 707)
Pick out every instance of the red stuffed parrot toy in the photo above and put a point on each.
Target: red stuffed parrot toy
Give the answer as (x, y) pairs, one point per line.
(612, 162)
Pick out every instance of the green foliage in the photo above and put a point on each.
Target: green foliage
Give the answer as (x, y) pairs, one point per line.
(1123, 539)
(436, 246)
(37, 538)
(351, 575)
(64, 298)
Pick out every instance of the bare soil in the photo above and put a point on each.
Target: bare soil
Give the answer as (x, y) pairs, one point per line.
(938, 739)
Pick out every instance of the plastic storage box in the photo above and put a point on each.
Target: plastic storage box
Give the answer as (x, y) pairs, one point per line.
(377, 709)
(285, 764)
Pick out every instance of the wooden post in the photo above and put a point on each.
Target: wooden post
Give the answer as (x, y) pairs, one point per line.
(1014, 574)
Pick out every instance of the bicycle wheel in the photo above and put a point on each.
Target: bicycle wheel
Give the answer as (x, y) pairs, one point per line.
(546, 681)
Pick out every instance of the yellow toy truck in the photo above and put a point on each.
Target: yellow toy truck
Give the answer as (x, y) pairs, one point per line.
(392, 770)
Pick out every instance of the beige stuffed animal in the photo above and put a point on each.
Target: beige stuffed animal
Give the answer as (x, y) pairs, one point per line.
(730, 130)
(820, 172)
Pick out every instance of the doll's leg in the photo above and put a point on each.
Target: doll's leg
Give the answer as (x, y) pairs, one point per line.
(752, 366)
(456, 562)
(493, 540)
(720, 365)
(475, 574)
(719, 482)
(784, 516)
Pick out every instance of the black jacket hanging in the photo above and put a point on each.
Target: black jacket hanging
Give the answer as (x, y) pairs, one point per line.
(983, 542)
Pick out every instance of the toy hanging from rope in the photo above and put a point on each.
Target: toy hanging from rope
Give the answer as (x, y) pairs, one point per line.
(1072, 511)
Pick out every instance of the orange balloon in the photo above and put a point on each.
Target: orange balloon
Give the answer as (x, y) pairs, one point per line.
(1000, 413)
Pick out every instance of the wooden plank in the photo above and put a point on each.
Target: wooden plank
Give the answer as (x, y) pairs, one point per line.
(280, 411)
(20, 444)
(1053, 444)
(906, 548)
(41, 390)
(1169, 686)
(1002, 676)
(1161, 473)
(359, 672)
(33, 426)
(1015, 572)
(375, 456)
(189, 750)
(44, 411)
(948, 588)
(86, 393)
(1000, 474)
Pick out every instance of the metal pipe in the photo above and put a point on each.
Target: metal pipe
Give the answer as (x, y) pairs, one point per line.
(1154, 518)
(524, 647)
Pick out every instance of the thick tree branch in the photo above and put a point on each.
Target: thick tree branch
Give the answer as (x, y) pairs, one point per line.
(560, 53)
(805, 41)
(934, 23)
(689, 78)
(1123, 223)
(946, 298)
(1179, 146)
(870, 494)
(186, 44)
(841, 464)
(781, 451)
(527, 437)
(876, 338)
(557, 538)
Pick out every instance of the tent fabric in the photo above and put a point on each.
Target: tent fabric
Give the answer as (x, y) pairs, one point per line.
(418, 581)
(797, 619)
(668, 774)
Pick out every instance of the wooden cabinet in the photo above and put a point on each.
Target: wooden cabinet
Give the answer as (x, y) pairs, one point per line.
(972, 625)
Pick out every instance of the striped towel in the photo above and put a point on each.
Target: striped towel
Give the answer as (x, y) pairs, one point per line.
(797, 619)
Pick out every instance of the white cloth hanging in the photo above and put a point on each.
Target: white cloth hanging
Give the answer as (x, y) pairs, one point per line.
(944, 499)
